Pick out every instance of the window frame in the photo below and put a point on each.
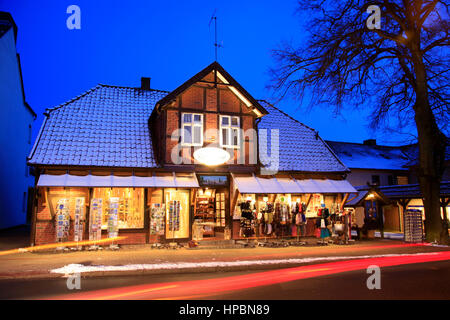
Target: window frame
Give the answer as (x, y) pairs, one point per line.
(229, 129)
(192, 124)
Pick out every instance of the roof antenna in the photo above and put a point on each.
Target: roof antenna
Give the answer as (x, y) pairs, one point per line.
(216, 45)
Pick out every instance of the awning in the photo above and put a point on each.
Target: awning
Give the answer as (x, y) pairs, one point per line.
(253, 184)
(68, 180)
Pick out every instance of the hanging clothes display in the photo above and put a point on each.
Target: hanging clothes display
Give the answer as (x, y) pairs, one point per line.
(247, 219)
(322, 223)
(267, 215)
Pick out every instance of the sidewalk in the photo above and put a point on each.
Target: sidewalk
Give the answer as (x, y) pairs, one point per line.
(130, 259)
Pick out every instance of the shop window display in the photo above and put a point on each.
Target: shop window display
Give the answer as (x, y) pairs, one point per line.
(121, 208)
(68, 209)
(177, 213)
(285, 215)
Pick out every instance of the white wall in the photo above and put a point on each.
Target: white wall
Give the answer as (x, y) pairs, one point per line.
(14, 137)
(358, 177)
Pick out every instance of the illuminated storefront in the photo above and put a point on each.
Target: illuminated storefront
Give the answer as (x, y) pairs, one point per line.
(195, 163)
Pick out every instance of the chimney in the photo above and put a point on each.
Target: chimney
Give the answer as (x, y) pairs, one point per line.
(145, 83)
(370, 142)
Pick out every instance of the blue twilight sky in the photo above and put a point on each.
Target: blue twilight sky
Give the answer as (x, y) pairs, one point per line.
(169, 41)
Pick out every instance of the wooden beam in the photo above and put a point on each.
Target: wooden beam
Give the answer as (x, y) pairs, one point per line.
(344, 201)
(356, 195)
(234, 201)
(308, 201)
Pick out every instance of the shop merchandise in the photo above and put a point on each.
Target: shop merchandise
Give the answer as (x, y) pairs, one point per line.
(174, 215)
(113, 211)
(95, 219)
(62, 220)
(247, 219)
(322, 223)
(78, 219)
(413, 226)
(299, 218)
(267, 215)
(157, 219)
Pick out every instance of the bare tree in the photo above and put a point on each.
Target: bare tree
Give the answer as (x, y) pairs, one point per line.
(402, 68)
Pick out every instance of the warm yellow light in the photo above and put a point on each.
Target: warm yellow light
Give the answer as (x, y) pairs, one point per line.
(370, 196)
(211, 156)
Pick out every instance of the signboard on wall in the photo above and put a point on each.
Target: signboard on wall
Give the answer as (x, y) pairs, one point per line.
(212, 181)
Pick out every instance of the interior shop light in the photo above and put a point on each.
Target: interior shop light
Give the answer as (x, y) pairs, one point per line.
(211, 156)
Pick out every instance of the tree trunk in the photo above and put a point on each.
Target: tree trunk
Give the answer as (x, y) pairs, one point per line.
(431, 154)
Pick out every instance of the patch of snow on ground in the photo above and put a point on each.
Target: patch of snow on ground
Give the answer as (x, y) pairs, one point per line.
(79, 268)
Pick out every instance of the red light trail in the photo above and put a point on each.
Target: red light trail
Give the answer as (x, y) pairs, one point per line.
(210, 287)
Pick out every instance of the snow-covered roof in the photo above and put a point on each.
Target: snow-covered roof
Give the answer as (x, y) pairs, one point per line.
(300, 147)
(108, 126)
(405, 191)
(361, 156)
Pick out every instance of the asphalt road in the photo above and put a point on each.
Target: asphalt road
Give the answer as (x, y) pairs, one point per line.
(430, 280)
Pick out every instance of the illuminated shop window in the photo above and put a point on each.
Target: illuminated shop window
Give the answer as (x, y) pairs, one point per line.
(130, 210)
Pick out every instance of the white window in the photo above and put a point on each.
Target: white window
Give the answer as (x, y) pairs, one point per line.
(191, 129)
(229, 131)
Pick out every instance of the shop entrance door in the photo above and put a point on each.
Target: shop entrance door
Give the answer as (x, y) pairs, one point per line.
(211, 207)
(177, 213)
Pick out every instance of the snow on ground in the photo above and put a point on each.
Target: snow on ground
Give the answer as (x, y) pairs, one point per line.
(79, 268)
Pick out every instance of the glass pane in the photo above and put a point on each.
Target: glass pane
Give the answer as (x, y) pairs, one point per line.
(235, 121)
(225, 121)
(197, 118)
(187, 118)
(224, 136)
(187, 132)
(197, 134)
(235, 138)
(129, 209)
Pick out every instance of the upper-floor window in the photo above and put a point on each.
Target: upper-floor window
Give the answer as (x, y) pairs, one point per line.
(192, 129)
(376, 180)
(229, 131)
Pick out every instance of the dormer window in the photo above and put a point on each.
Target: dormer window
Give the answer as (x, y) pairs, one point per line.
(192, 129)
(229, 131)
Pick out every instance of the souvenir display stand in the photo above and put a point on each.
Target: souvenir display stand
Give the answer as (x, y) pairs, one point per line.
(413, 226)
(78, 228)
(62, 220)
(95, 221)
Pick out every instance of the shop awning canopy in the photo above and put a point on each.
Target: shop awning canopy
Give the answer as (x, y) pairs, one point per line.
(68, 180)
(253, 184)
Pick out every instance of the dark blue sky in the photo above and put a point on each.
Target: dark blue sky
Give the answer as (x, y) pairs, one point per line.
(169, 41)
